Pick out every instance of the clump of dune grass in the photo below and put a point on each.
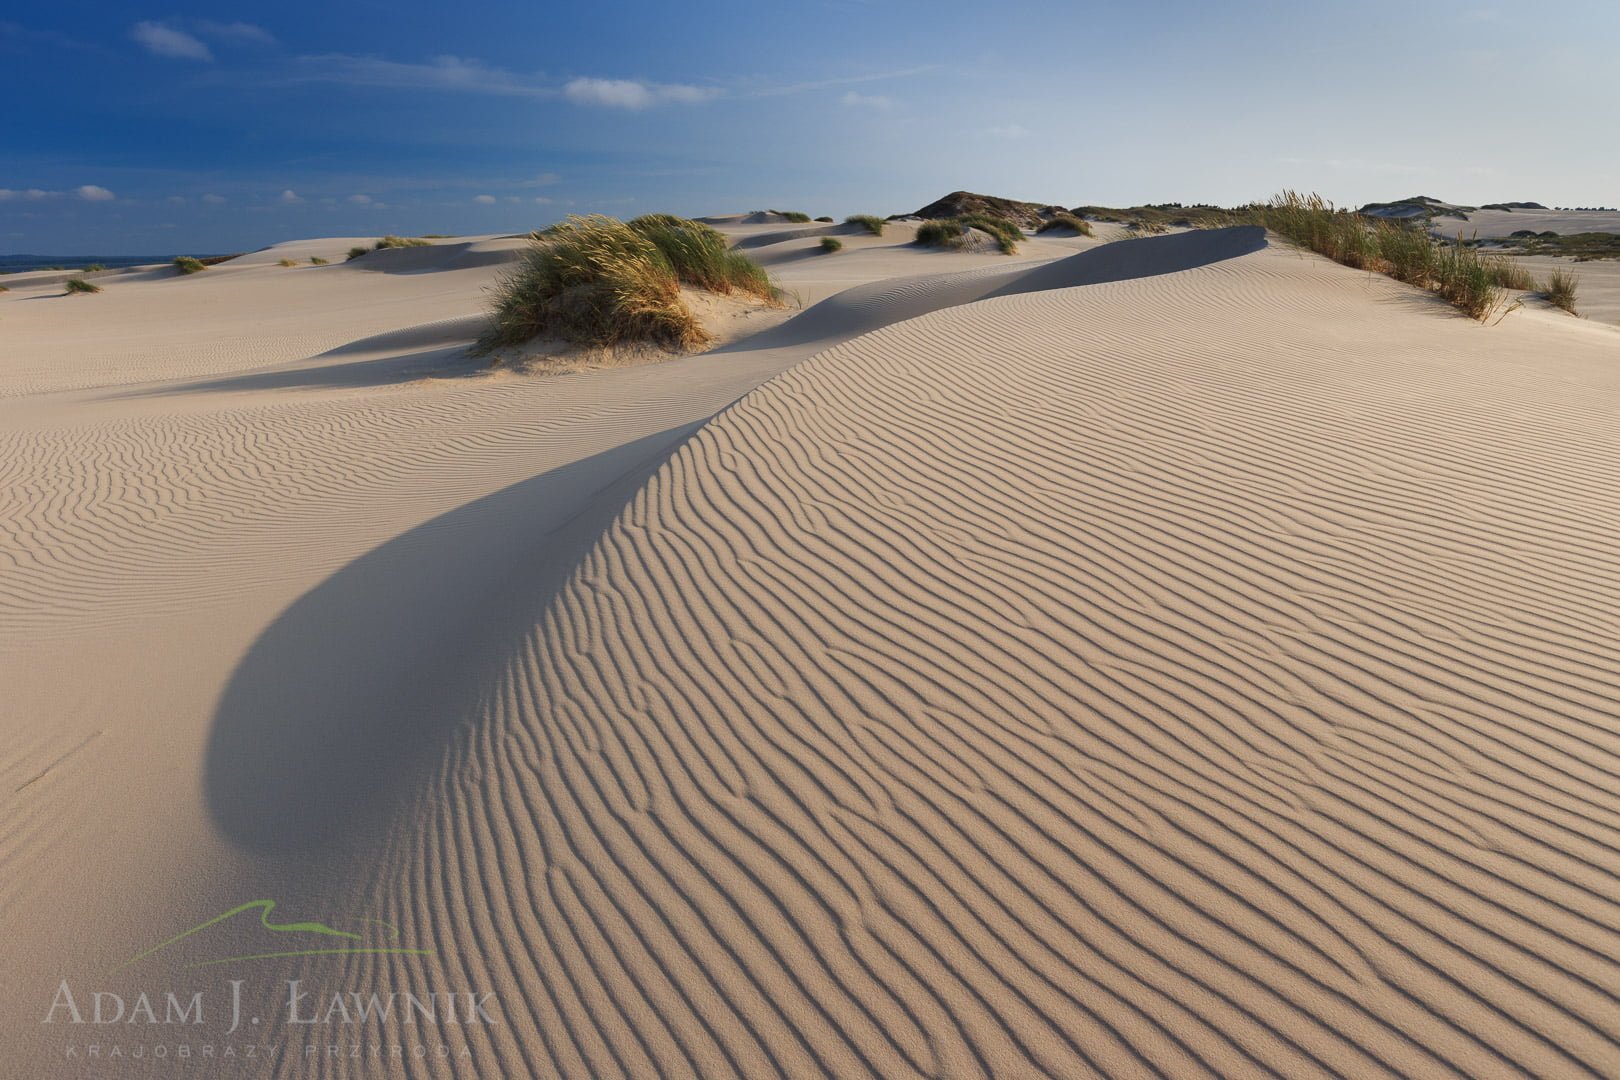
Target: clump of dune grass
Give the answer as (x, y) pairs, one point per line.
(1146, 227)
(870, 222)
(93, 267)
(824, 219)
(830, 244)
(1560, 290)
(953, 232)
(796, 216)
(356, 252)
(1509, 274)
(699, 256)
(401, 242)
(598, 281)
(1064, 221)
(187, 265)
(79, 285)
(1475, 283)
(316, 260)
(286, 262)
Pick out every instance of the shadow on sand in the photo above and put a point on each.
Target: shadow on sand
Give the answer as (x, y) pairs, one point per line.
(346, 701)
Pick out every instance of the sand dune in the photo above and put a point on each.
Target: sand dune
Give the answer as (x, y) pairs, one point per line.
(1180, 657)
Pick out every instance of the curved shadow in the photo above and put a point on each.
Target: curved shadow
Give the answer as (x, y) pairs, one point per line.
(345, 702)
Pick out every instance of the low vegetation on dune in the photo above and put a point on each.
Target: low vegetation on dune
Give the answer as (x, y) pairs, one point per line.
(954, 232)
(1475, 282)
(828, 219)
(356, 252)
(870, 222)
(79, 285)
(93, 267)
(286, 262)
(316, 260)
(1146, 227)
(187, 265)
(1560, 290)
(959, 204)
(598, 281)
(401, 242)
(1173, 215)
(830, 244)
(1582, 247)
(1064, 221)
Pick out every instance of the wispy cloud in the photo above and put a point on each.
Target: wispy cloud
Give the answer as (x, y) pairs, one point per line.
(238, 32)
(834, 83)
(484, 200)
(214, 200)
(26, 195)
(439, 73)
(94, 193)
(629, 94)
(853, 100)
(290, 197)
(166, 41)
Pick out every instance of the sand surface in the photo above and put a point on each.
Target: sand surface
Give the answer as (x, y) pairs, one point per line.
(1179, 657)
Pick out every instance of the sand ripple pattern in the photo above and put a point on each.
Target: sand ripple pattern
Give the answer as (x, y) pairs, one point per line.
(1049, 687)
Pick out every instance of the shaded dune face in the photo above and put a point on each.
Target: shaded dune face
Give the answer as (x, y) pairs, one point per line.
(1048, 687)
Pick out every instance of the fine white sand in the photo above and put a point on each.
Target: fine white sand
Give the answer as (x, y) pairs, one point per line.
(1176, 657)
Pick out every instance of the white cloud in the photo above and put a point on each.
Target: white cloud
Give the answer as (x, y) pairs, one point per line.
(214, 200)
(245, 33)
(360, 200)
(867, 101)
(166, 41)
(486, 200)
(1009, 131)
(290, 196)
(94, 193)
(628, 94)
(29, 195)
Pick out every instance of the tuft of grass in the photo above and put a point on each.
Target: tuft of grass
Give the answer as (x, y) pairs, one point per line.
(401, 242)
(187, 265)
(1146, 227)
(1560, 290)
(1508, 274)
(79, 285)
(796, 216)
(93, 267)
(699, 256)
(316, 260)
(830, 244)
(286, 262)
(871, 222)
(356, 252)
(1473, 282)
(1465, 279)
(824, 219)
(1064, 221)
(598, 281)
(4, 289)
(953, 232)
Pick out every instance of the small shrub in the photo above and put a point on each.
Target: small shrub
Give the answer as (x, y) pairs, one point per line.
(401, 242)
(823, 219)
(316, 260)
(796, 216)
(830, 244)
(871, 222)
(79, 285)
(1064, 221)
(1560, 290)
(356, 252)
(286, 262)
(187, 265)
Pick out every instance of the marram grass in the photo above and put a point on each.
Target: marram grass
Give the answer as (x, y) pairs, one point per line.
(187, 265)
(870, 222)
(598, 281)
(1064, 221)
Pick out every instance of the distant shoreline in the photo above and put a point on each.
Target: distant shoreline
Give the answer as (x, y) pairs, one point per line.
(16, 264)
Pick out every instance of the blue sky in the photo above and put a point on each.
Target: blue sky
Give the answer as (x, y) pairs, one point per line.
(134, 127)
